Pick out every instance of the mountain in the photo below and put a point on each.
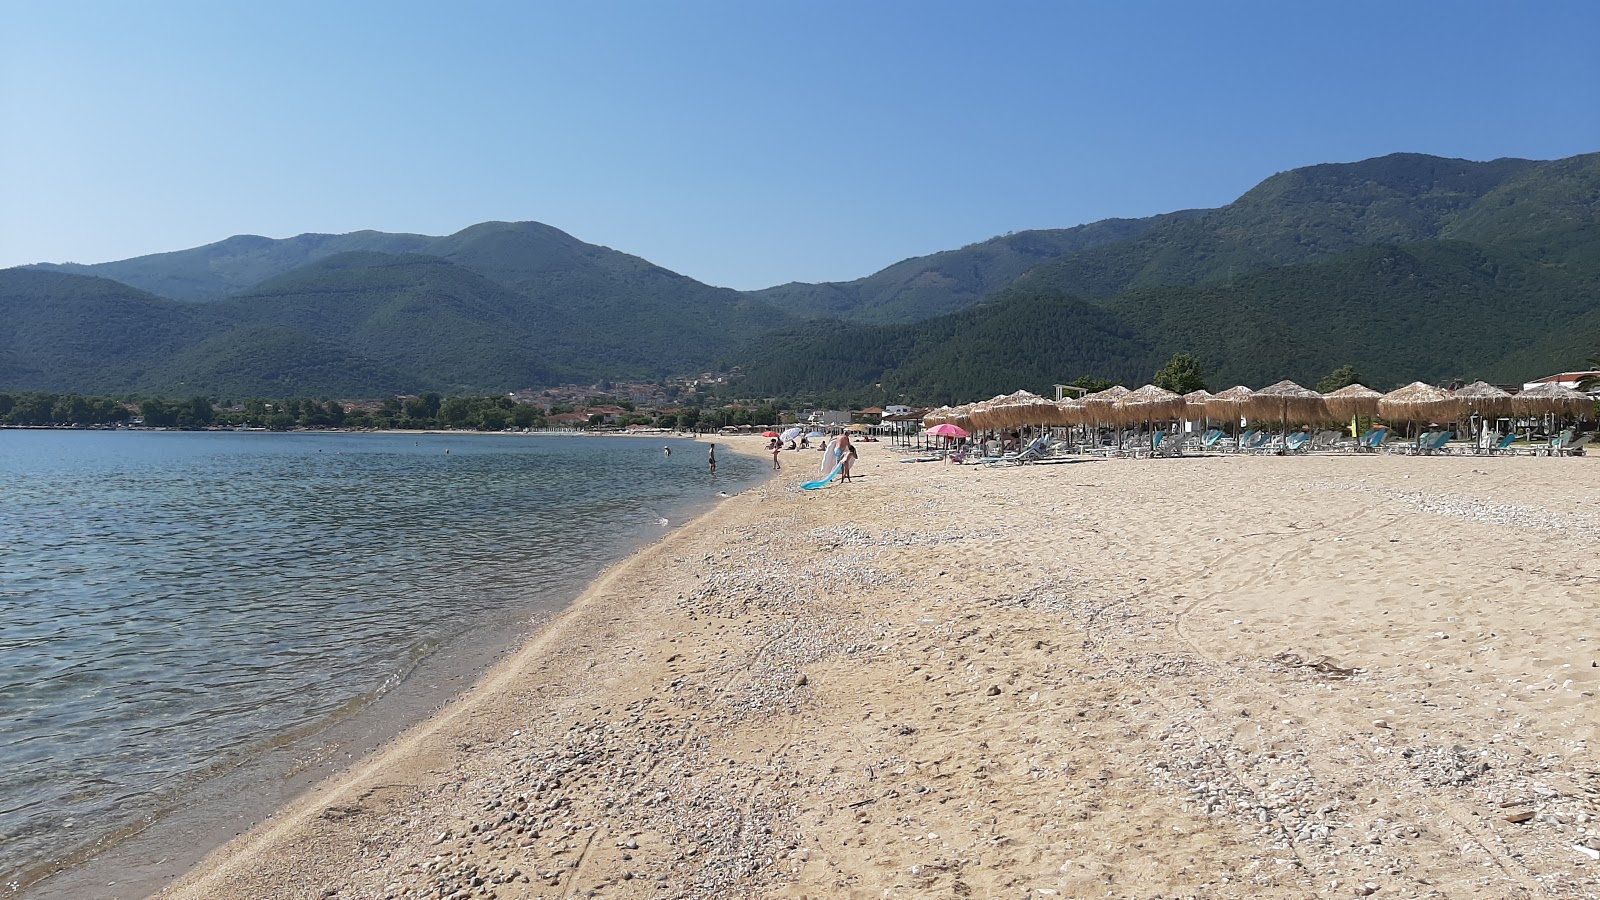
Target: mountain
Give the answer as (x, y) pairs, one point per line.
(621, 314)
(1428, 310)
(73, 332)
(1408, 266)
(214, 271)
(928, 286)
(1298, 216)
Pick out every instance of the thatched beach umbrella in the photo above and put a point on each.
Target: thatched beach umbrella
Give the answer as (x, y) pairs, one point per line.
(1229, 404)
(1100, 407)
(1552, 399)
(1286, 402)
(936, 417)
(1417, 402)
(1070, 411)
(1148, 404)
(961, 416)
(1482, 398)
(1194, 405)
(1024, 408)
(1352, 401)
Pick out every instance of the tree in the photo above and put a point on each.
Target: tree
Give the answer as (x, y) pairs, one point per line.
(1344, 376)
(1092, 384)
(1181, 375)
(1593, 381)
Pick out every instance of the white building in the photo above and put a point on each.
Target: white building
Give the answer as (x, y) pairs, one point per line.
(1565, 379)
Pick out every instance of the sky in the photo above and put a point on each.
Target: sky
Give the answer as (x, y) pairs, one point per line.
(744, 143)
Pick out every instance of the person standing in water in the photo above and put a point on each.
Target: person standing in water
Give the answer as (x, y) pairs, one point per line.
(667, 450)
(713, 459)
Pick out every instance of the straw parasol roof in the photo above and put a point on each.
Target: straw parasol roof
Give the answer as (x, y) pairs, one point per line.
(980, 416)
(1286, 402)
(1070, 412)
(1482, 398)
(1417, 402)
(1552, 398)
(1027, 408)
(1148, 404)
(1351, 401)
(936, 417)
(1229, 404)
(1195, 402)
(1100, 407)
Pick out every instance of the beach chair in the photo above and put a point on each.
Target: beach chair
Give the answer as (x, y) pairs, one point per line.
(1354, 444)
(1413, 447)
(1496, 443)
(1436, 444)
(1576, 447)
(1560, 442)
(1209, 440)
(1380, 437)
(1037, 449)
(1149, 444)
(1255, 441)
(1296, 443)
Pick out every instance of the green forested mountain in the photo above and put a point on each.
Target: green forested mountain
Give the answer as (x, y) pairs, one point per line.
(1294, 217)
(1427, 310)
(1407, 266)
(227, 267)
(89, 334)
(926, 286)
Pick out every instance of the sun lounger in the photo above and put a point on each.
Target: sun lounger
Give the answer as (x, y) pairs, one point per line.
(1500, 444)
(1036, 450)
(1209, 439)
(1255, 442)
(1436, 444)
(1296, 443)
(1576, 447)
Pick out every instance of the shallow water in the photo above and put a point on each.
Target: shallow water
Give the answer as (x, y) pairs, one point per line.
(172, 602)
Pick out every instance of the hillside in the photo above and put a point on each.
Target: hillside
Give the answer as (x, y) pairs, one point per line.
(1293, 217)
(1429, 310)
(214, 271)
(939, 283)
(1408, 266)
(72, 332)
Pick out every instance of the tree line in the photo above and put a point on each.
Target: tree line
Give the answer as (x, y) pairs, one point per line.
(429, 411)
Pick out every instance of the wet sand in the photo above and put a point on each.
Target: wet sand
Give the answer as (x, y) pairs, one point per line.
(1215, 677)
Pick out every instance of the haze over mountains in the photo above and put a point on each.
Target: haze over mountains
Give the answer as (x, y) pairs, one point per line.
(1406, 266)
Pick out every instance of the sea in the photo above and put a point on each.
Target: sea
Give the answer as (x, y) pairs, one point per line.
(175, 604)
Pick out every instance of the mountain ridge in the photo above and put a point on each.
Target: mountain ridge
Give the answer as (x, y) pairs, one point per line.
(506, 305)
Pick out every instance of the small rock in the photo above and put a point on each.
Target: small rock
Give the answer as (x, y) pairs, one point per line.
(1380, 723)
(994, 690)
(802, 681)
(1518, 816)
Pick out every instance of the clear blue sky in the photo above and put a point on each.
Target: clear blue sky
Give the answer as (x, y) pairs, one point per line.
(742, 143)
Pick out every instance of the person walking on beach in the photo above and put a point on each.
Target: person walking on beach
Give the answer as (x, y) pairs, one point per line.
(847, 455)
(713, 459)
(776, 448)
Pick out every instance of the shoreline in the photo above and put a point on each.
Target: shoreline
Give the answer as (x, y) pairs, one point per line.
(1214, 676)
(203, 816)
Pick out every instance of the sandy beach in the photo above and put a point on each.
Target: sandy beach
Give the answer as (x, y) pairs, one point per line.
(1203, 677)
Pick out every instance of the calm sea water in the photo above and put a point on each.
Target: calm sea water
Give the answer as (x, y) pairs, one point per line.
(171, 602)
